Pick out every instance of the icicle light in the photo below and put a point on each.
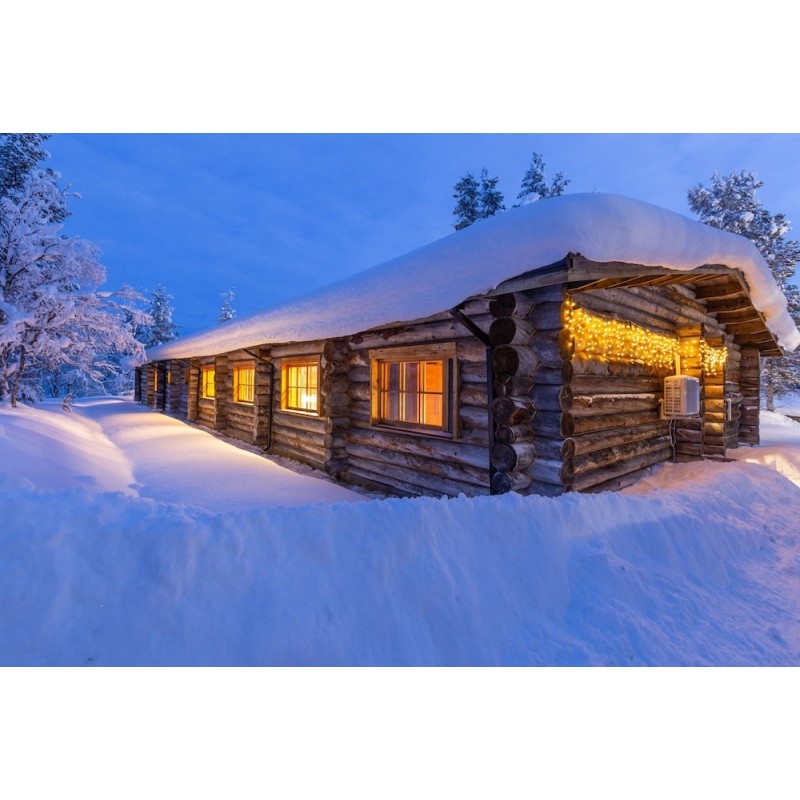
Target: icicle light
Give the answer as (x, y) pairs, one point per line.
(621, 342)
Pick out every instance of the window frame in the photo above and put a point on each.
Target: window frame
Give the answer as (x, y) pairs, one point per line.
(204, 370)
(300, 361)
(236, 369)
(445, 353)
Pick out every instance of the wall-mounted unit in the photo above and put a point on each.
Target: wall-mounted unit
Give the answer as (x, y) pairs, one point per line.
(681, 397)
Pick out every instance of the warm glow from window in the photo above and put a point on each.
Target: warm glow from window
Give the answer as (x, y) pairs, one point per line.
(411, 392)
(155, 379)
(208, 387)
(300, 386)
(244, 384)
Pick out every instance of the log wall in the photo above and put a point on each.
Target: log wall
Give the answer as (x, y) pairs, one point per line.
(551, 421)
(408, 462)
(750, 371)
(295, 435)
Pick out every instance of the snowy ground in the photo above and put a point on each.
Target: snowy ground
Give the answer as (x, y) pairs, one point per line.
(129, 538)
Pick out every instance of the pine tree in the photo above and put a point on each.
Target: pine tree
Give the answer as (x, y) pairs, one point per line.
(534, 186)
(227, 311)
(161, 328)
(467, 207)
(730, 204)
(491, 199)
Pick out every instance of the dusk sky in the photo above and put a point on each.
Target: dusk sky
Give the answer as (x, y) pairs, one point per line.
(276, 215)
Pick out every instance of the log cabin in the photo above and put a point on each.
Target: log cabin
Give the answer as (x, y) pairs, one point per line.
(538, 351)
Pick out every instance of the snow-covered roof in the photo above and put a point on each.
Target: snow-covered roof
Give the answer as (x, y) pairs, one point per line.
(474, 261)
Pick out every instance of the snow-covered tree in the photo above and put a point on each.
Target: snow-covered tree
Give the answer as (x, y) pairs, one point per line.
(467, 208)
(53, 316)
(160, 328)
(491, 198)
(729, 203)
(534, 186)
(20, 153)
(227, 311)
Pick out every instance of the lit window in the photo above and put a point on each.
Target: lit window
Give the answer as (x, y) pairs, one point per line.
(300, 386)
(208, 387)
(244, 384)
(155, 379)
(415, 392)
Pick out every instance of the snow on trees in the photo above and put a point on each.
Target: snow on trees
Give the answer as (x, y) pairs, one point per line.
(53, 318)
(160, 328)
(729, 203)
(227, 311)
(534, 186)
(467, 202)
(475, 200)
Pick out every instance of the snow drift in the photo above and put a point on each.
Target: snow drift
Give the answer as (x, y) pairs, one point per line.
(475, 260)
(698, 564)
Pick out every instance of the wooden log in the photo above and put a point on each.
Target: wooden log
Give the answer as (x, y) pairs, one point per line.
(454, 451)
(554, 449)
(552, 347)
(590, 424)
(553, 424)
(391, 460)
(473, 394)
(521, 385)
(473, 417)
(544, 489)
(514, 304)
(504, 482)
(593, 405)
(299, 422)
(512, 457)
(601, 384)
(547, 316)
(513, 433)
(560, 473)
(412, 477)
(590, 442)
(359, 374)
(335, 350)
(513, 360)
(512, 410)
(472, 372)
(598, 305)
(622, 452)
(510, 330)
(551, 398)
(511, 385)
(603, 475)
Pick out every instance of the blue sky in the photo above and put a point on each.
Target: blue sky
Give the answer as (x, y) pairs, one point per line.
(276, 215)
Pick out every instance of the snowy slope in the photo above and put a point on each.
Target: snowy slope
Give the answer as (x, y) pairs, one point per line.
(697, 564)
(475, 260)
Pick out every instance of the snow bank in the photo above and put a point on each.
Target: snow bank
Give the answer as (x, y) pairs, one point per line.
(473, 261)
(697, 564)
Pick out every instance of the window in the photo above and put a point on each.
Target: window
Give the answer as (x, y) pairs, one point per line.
(413, 387)
(155, 379)
(207, 386)
(300, 386)
(244, 384)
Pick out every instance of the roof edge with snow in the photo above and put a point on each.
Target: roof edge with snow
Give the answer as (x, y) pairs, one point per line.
(474, 261)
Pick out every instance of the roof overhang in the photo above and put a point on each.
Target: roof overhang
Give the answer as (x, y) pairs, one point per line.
(722, 290)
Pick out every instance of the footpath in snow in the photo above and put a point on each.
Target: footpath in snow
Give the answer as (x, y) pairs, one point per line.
(126, 540)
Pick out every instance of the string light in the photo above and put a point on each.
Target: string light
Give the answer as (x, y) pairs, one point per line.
(621, 342)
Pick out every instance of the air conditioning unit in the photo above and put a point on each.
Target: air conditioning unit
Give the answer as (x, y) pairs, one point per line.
(681, 397)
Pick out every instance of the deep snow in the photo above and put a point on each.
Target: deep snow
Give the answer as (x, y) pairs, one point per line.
(697, 564)
(438, 276)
